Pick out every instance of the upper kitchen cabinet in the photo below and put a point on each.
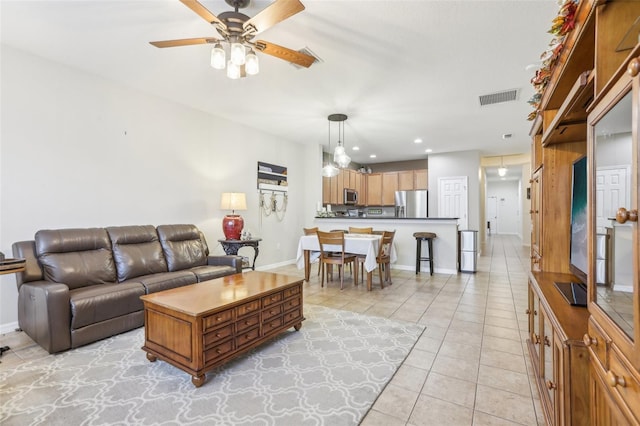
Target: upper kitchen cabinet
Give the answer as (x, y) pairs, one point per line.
(389, 188)
(409, 180)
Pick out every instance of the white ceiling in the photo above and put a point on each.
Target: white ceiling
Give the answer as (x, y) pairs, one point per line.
(399, 69)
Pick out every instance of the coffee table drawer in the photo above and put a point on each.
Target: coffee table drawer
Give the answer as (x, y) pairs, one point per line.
(218, 351)
(292, 291)
(291, 303)
(248, 322)
(247, 337)
(217, 319)
(272, 325)
(248, 308)
(271, 312)
(270, 300)
(217, 335)
(292, 315)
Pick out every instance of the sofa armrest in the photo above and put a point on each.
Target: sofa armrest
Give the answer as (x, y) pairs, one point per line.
(44, 313)
(234, 261)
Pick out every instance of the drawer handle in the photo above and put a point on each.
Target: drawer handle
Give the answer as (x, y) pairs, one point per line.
(536, 339)
(547, 342)
(218, 351)
(218, 318)
(218, 334)
(246, 322)
(550, 385)
(527, 311)
(589, 341)
(615, 380)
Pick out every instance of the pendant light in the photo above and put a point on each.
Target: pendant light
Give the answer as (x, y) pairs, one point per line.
(330, 169)
(502, 170)
(340, 157)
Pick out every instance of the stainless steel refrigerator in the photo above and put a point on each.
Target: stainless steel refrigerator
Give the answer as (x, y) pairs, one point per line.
(412, 203)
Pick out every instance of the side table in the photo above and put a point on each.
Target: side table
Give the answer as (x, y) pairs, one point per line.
(232, 247)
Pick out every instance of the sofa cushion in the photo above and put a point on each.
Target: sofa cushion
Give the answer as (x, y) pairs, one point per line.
(182, 246)
(209, 272)
(90, 305)
(166, 280)
(76, 257)
(136, 251)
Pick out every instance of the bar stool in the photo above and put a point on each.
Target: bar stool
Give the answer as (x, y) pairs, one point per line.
(420, 237)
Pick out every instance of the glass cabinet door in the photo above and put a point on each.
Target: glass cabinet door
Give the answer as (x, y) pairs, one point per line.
(614, 153)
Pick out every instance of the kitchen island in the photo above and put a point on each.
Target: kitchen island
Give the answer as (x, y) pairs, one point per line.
(445, 246)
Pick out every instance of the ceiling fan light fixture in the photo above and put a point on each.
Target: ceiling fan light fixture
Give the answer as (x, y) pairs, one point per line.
(218, 57)
(233, 70)
(238, 54)
(252, 66)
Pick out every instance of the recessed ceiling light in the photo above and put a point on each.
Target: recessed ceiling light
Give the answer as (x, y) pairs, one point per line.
(428, 150)
(372, 156)
(356, 148)
(417, 140)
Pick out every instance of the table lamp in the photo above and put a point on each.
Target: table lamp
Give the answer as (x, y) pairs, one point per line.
(232, 224)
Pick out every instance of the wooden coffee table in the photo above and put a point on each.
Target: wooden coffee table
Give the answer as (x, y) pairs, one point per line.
(199, 327)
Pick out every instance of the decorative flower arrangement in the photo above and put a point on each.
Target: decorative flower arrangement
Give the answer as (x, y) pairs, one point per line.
(561, 26)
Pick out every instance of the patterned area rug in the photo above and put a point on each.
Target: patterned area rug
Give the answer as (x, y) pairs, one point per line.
(328, 373)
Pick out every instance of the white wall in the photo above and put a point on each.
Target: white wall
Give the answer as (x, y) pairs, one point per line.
(509, 211)
(464, 163)
(79, 151)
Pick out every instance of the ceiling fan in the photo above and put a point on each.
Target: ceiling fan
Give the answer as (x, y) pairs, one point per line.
(238, 30)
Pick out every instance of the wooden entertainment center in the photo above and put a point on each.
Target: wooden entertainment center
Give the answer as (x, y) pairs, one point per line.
(199, 327)
(587, 360)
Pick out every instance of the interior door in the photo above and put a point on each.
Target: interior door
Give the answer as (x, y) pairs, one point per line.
(612, 191)
(453, 199)
(492, 215)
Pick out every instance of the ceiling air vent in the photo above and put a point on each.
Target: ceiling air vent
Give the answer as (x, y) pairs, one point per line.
(307, 51)
(498, 97)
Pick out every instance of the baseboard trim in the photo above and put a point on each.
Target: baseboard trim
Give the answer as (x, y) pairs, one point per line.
(8, 327)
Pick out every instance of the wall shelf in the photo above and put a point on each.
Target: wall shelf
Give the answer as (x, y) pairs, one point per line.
(272, 177)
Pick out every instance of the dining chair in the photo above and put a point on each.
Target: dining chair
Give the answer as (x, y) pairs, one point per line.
(313, 231)
(383, 258)
(335, 255)
(353, 230)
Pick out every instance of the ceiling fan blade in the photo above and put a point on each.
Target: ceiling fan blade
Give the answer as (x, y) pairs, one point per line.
(184, 42)
(276, 12)
(203, 12)
(292, 56)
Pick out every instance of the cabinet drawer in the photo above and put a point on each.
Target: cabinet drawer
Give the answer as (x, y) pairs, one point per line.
(247, 308)
(621, 378)
(292, 315)
(218, 351)
(598, 343)
(247, 337)
(247, 322)
(217, 335)
(291, 303)
(217, 319)
(292, 291)
(272, 325)
(271, 312)
(270, 300)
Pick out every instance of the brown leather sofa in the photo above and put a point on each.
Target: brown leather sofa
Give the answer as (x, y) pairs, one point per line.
(83, 285)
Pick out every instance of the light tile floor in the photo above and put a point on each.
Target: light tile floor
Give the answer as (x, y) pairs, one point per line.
(471, 365)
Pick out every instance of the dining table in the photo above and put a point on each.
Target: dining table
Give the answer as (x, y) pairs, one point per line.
(360, 244)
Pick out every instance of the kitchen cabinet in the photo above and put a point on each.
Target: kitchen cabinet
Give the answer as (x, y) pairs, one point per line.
(536, 222)
(374, 189)
(389, 188)
(409, 180)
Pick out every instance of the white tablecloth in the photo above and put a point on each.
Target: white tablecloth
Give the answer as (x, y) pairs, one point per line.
(356, 243)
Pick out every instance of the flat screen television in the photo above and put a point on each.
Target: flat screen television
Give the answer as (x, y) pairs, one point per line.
(578, 245)
(576, 292)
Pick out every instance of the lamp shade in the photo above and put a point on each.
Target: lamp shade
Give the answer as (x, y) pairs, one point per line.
(233, 201)
(232, 224)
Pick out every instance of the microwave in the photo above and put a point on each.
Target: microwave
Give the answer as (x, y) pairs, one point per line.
(350, 196)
